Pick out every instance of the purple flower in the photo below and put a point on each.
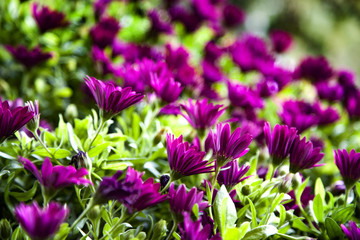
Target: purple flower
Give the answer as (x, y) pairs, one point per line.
(112, 99)
(329, 91)
(181, 202)
(100, 7)
(233, 175)
(303, 155)
(149, 196)
(158, 25)
(34, 123)
(351, 103)
(346, 79)
(262, 171)
(204, 10)
(166, 87)
(326, 116)
(353, 233)
(338, 188)
(251, 53)
(11, 120)
(202, 114)
(28, 58)
(227, 146)
(281, 40)
(176, 57)
(207, 92)
(190, 21)
(243, 96)
(211, 73)
(57, 177)
(279, 75)
(41, 223)
(185, 160)
(48, 19)
(212, 52)
(316, 69)
(305, 198)
(299, 114)
(103, 64)
(195, 230)
(104, 32)
(349, 165)
(279, 142)
(233, 16)
(170, 109)
(267, 88)
(124, 190)
(133, 52)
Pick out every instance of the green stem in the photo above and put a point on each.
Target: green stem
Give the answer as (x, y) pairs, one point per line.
(268, 212)
(101, 125)
(83, 214)
(167, 185)
(213, 182)
(273, 172)
(346, 196)
(172, 230)
(307, 217)
(42, 143)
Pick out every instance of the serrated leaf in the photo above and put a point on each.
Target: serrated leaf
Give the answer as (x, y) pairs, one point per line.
(261, 232)
(333, 230)
(224, 210)
(318, 208)
(25, 196)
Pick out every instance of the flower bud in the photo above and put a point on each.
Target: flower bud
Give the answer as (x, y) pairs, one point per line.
(164, 179)
(5, 229)
(71, 112)
(246, 190)
(296, 181)
(94, 213)
(285, 185)
(160, 230)
(34, 123)
(78, 160)
(159, 136)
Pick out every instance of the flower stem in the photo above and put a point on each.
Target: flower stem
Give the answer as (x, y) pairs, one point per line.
(101, 125)
(217, 170)
(42, 143)
(273, 172)
(83, 214)
(307, 217)
(172, 230)
(346, 196)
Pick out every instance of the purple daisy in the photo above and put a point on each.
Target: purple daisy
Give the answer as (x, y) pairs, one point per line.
(190, 230)
(349, 165)
(233, 16)
(158, 25)
(227, 146)
(243, 96)
(28, 57)
(112, 99)
(233, 175)
(181, 202)
(166, 87)
(353, 232)
(202, 114)
(48, 19)
(303, 155)
(185, 160)
(180, 14)
(104, 32)
(11, 120)
(281, 40)
(279, 142)
(330, 91)
(57, 177)
(316, 69)
(103, 64)
(212, 52)
(41, 223)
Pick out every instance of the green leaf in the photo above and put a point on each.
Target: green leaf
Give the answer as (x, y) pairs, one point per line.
(176, 236)
(318, 208)
(25, 196)
(232, 233)
(98, 149)
(319, 188)
(7, 156)
(298, 224)
(195, 210)
(282, 216)
(357, 188)
(74, 140)
(63, 92)
(333, 230)
(115, 166)
(261, 232)
(253, 213)
(300, 190)
(58, 153)
(243, 229)
(63, 232)
(224, 210)
(135, 126)
(284, 236)
(344, 214)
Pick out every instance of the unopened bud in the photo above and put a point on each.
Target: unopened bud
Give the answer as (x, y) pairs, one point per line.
(78, 160)
(296, 181)
(71, 112)
(246, 190)
(5, 229)
(160, 230)
(285, 185)
(164, 179)
(94, 213)
(159, 136)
